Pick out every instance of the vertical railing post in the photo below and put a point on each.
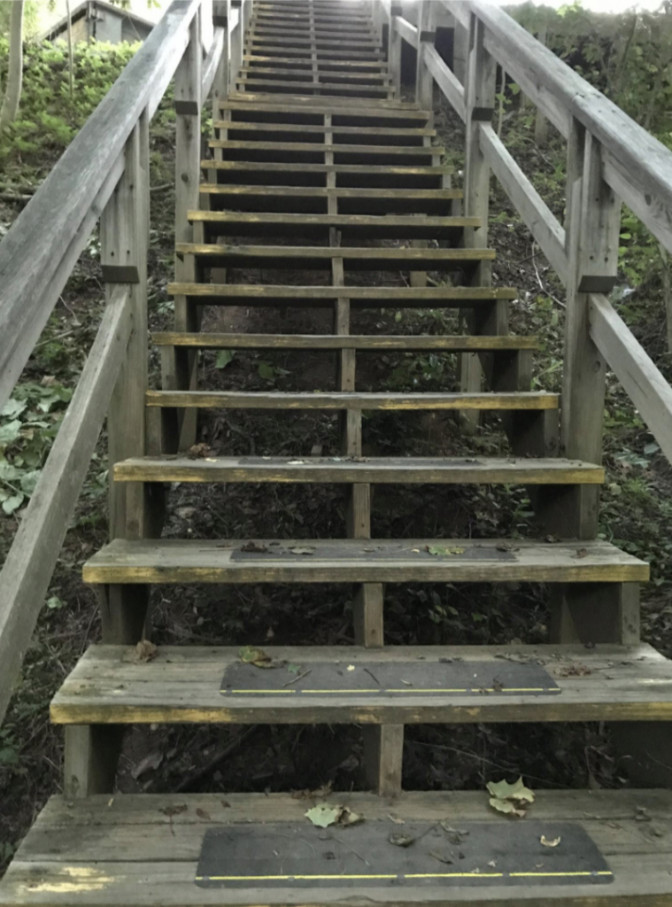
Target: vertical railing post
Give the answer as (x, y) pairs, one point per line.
(124, 236)
(609, 613)
(236, 41)
(424, 83)
(479, 89)
(394, 45)
(187, 176)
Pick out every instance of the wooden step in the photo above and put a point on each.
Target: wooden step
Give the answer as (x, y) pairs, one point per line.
(505, 343)
(332, 89)
(376, 470)
(381, 107)
(315, 199)
(326, 52)
(361, 561)
(237, 129)
(362, 297)
(314, 152)
(366, 176)
(374, 114)
(300, 226)
(354, 685)
(353, 400)
(322, 64)
(316, 258)
(307, 75)
(191, 850)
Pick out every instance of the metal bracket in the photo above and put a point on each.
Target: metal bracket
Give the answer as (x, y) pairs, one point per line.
(187, 108)
(121, 274)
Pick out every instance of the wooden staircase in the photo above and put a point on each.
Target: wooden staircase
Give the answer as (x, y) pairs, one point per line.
(318, 168)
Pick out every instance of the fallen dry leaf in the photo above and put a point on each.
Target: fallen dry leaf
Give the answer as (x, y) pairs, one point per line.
(145, 651)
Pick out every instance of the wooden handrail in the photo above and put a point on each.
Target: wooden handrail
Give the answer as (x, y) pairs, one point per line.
(103, 175)
(611, 158)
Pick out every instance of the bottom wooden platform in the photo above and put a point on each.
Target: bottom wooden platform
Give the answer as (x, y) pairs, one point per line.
(572, 848)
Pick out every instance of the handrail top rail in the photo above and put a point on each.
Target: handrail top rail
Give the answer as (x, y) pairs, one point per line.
(635, 149)
(32, 251)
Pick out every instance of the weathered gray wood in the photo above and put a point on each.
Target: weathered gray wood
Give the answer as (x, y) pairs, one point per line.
(182, 684)
(211, 340)
(406, 30)
(608, 613)
(440, 470)
(103, 850)
(28, 567)
(90, 759)
(425, 35)
(55, 225)
(383, 757)
(634, 368)
(124, 239)
(543, 225)
(346, 560)
(212, 67)
(449, 85)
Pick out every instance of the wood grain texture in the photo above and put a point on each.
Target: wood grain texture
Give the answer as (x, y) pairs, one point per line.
(211, 340)
(344, 400)
(432, 297)
(354, 560)
(606, 683)
(143, 844)
(366, 469)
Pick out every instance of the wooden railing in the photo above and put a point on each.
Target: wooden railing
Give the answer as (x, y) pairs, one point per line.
(103, 177)
(610, 159)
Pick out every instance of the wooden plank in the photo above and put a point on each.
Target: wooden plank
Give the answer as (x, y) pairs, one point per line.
(539, 218)
(449, 85)
(295, 199)
(211, 64)
(31, 560)
(301, 103)
(370, 174)
(319, 148)
(418, 132)
(343, 400)
(320, 257)
(420, 297)
(406, 30)
(336, 91)
(324, 64)
(40, 249)
(211, 340)
(642, 380)
(183, 685)
(352, 561)
(447, 470)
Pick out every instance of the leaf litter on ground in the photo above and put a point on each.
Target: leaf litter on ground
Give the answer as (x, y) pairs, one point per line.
(325, 814)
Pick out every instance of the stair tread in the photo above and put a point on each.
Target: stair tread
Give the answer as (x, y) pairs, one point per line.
(175, 468)
(128, 849)
(303, 129)
(212, 340)
(362, 400)
(344, 220)
(320, 258)
(345, 169)
(338, 684)
(357, 92)
(322, 192)
(323, 148)
(361, 560)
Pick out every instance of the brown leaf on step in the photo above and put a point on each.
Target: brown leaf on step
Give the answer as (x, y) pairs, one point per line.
(580, 552)
(497, 685)
(306, 550)
(549, 842)
(441, 857)
(507, 546)
(198, 451)
(400, 840)
(145, 651)
(203, 814)
(250, 655)
(171, 811)
(551, 538)
(575, 670)
(254, 548)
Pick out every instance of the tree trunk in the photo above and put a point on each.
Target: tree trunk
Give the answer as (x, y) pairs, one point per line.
(10, 102)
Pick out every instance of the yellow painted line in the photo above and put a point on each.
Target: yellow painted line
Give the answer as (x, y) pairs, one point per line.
(558, 875)
(410, 875)
(265, 692)
(454, 875)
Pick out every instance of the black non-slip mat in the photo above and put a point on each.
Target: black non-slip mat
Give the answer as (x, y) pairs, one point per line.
(497, 852)
(397, 679)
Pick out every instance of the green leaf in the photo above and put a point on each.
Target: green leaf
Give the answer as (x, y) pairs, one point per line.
(266, 371)
(440, 551)
(12, 503)
(54, 603)
(224, 358)
(29, 480)
(250, 655)
(10, 431)
(323, 815)
(505, 791)
(13, 408)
